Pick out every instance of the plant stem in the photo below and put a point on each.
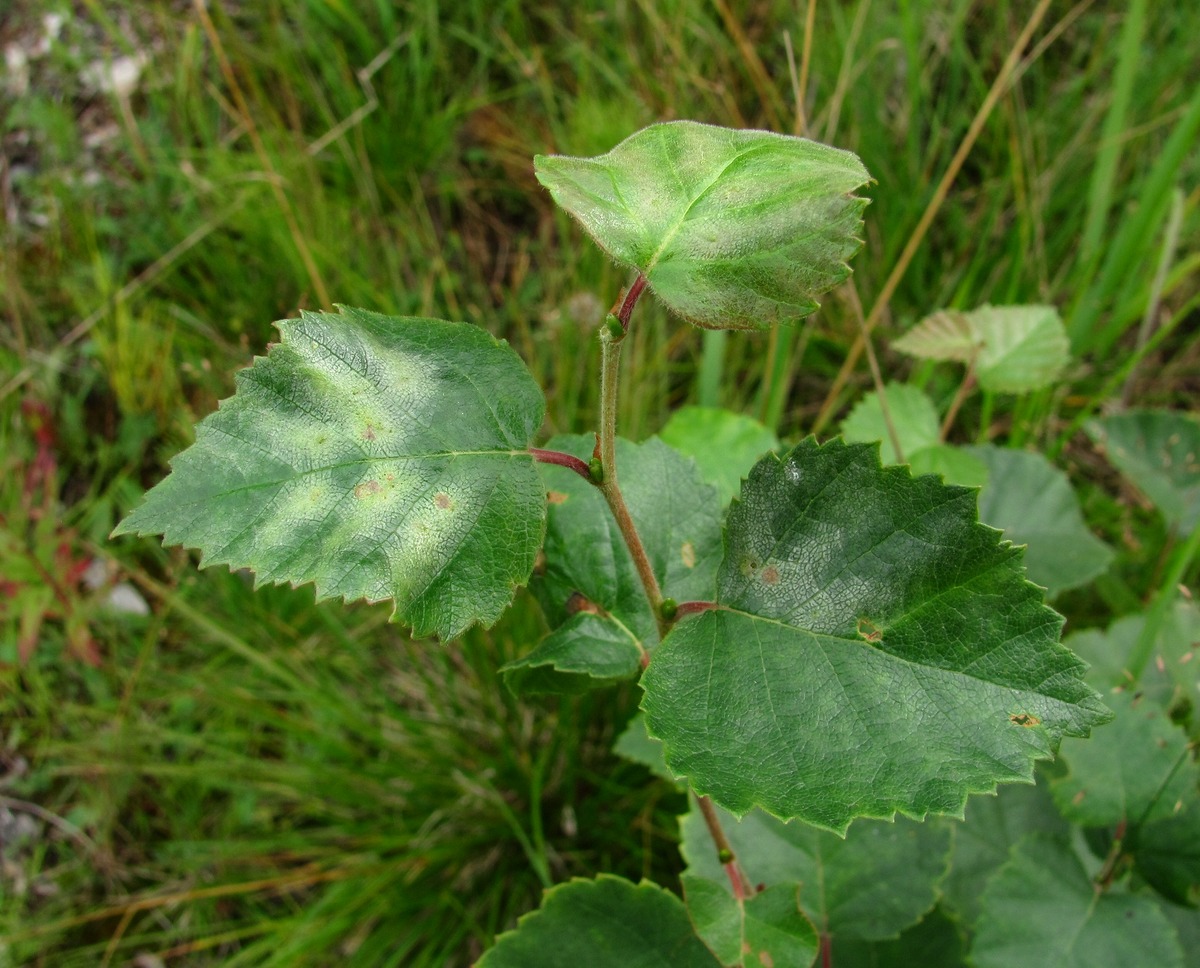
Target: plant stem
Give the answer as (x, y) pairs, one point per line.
(610, 367)
(569, 461)
(742, 888)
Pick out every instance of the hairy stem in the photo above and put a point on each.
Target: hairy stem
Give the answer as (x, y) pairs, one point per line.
(569, 461)
(742, 888)
(610, 365)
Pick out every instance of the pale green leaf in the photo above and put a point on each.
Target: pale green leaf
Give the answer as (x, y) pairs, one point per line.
(377, 457)
(914, 419)
(953, 464)
(723, 444)
(587, 651)
(944, 335)
(870, 885)
(1033, 503)
(1041, 908)
(1024, 347)
(732, 229)
(876, 650)
(1159, 451)
(605, 923)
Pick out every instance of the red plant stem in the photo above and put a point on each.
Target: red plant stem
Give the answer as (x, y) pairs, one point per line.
(562, 460)
(742, 888)
(694, 608)
(631, 299)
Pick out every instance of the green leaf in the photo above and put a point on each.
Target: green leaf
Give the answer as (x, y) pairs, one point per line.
(586, 652)
(914, 418)
(933, 942)
(1140, 782)
(1171, 678)
(1024, 347)
(953, 464)
(870, 885)
(587, 564)
(1043, 909)
(1159, 451)
(876, 650)
(984, 839)
(723, 444)
(732, 229)
(1034, 504)
(605, 923)
(766, 929)
(1142, 771)
(944, 335)
(637, 745)
(377, 457)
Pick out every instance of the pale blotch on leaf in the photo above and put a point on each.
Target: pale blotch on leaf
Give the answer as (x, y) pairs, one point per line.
(688, 554)
(1025, 719)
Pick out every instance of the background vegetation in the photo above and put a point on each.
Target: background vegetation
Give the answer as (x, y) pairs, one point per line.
(195, 773)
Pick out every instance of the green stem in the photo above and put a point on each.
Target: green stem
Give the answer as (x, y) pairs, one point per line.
(610, 367)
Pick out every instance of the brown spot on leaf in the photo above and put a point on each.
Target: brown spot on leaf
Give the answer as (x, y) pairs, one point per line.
(765, 959)
(1078, 798)
(688, 554)
(869, 631)
(368, 433)
(556, 497)
(366, 488)
(442, 500)
(578, 602)
(1024, 719)
(770, 575)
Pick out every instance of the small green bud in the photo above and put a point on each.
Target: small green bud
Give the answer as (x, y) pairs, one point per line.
(668, 608)
(613, 331)
(596, 470)
(725, 856)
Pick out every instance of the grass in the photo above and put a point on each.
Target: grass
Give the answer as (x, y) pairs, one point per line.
(250, 778)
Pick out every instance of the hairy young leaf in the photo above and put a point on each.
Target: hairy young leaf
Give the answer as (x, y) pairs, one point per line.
(944, 335)
(377, 457)
(914, 418)
(1024, 347)
(874, 883)
(1043, 909)
(732, 229)
(1159, 451)
(605, 923)
(1034, 504)
(587, 651)
(876, 650)
(723, 444)
(766, 929)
